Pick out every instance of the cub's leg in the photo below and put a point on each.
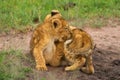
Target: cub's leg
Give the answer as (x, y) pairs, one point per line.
(56, 59)
(89, 68)
(77, 64)
(39, 58)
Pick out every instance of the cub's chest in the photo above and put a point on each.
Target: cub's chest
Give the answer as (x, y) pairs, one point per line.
(49, 51)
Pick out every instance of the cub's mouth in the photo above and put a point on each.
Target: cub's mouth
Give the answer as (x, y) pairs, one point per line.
(64, 38)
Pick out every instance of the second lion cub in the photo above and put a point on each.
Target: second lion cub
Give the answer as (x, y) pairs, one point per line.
(78, 51)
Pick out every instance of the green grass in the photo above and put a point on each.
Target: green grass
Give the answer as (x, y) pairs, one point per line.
(17, 14)
(12, 65)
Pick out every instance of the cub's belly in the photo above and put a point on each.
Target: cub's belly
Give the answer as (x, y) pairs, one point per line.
(48, 53)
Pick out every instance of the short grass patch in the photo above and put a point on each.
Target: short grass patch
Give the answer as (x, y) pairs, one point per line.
(12, 66)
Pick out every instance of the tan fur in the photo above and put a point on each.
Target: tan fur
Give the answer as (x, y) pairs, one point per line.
(59, 44)
(42, 42)
(79, 50)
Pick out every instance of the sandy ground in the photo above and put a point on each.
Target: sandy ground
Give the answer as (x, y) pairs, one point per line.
(106, 57)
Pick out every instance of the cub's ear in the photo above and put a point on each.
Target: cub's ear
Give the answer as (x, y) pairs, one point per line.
(54, 12)
(56, 23)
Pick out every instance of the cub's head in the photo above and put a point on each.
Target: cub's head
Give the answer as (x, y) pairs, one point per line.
(61, 26)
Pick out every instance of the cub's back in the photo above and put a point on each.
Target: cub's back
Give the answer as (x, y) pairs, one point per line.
(86, 38)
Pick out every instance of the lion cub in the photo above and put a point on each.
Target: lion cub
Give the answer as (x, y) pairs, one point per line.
(78, 50)
(42, 42)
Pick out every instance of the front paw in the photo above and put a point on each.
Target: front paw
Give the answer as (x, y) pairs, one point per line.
(41, 67)
(67, 68)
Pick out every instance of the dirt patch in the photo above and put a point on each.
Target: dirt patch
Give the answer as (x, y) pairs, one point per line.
(106, 57)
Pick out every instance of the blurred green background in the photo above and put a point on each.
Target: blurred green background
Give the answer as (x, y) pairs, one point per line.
(17, 14)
